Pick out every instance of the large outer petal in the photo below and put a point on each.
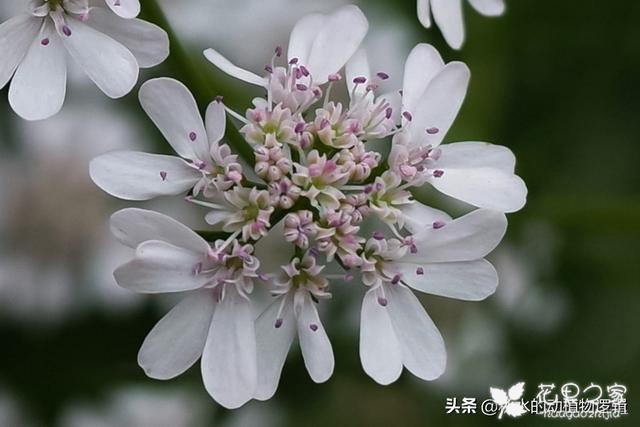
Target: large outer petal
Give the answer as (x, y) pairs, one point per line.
(133, 226)
(174, 111)
(315, 344)
(358, 66)
(423, 351)
(448, 16)
(489, 7)
(146, 41)
(233, 70)
(424, 13)
(302, 36)
(380, 351)
(215, 122)
(160, 267)
(468, 280)
(467, 238)
(423, 64)
(177, 340)
(273, 345)
(39, 85)
(229, 358)
(481, 174)
(334, 41)
(16, 35)
(132, 175)
(417, 216)
(110, 65)
(125, 8)
(440, 104)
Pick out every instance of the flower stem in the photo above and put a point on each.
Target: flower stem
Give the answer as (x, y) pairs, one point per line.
(188, 71)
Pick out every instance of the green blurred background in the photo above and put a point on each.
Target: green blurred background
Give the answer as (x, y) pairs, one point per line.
(555, 81)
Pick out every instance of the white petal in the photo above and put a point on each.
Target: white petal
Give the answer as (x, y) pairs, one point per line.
(314, 342)
(125, 8)
(448, 16)
(489, 7)
(424, 13)
(233, 70)
(423, 64)
(339, 38)
(110, 65)
(469, 280)
(160, 267)
(477, 154)
(229, 357)
(132, 175)
(273, 344)
(440, 104)
(481, 174)
(467, 238)
(146, 41)
(380, 351)
(133, 226)
(418, 216)
(358, 66)
(215, 121)
(177, 340)
(273, 250)
(174, 111)
(16, 35)
(423, 351)
(483, 187)
(303, 35)
(39, 85)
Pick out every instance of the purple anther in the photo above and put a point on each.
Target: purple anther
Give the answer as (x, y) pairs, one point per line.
(407, 115)
(268, 69)
(438, 224)
(313, 327)
(278, 323)
(278, 51)
(395, 280)
(382, 76)
(193, 136)
(163, 175)
(433, 130)
(438, 173)
(378, 235)
(293, 61)
(45, 42)
(301, 87)
(419, 271)
(299, 127)
(66, 30)
(360, 80)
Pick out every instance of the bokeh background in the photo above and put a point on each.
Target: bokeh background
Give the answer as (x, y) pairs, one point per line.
(556, 81)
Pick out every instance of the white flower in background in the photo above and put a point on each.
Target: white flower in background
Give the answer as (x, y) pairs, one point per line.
(447, 260)
(214, 320)
(448, 16)
(319, 186)
(477, 173)
(108, 48)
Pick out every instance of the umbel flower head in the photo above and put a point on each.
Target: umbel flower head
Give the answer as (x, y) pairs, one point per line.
(449, 17)
(109, 48)
(316, 190)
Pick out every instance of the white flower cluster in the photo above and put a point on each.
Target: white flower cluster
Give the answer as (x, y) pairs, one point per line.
(316, 187)
(109, 44)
